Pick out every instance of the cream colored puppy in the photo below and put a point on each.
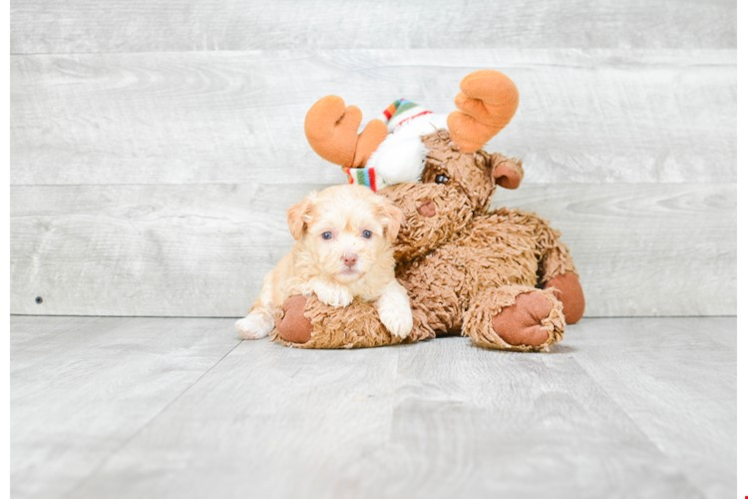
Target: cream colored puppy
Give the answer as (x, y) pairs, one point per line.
(343, 249)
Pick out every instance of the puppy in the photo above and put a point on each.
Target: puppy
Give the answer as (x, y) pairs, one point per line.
(343, 249)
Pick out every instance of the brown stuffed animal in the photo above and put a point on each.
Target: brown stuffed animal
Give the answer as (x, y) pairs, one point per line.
(501, 277)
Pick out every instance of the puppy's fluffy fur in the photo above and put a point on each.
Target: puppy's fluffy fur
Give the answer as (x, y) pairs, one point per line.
(343, 249)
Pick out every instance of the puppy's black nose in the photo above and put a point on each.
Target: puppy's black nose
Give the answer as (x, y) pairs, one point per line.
(350, 259)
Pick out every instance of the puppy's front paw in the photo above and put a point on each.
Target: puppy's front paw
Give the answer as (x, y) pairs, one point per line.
(394, 310)
(397, 318)
(334, 296)
(254, 326)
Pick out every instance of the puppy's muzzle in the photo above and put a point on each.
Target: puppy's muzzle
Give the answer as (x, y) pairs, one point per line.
(349, 259)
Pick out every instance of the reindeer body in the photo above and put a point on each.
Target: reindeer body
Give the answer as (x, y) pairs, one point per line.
(501, 277)
(498, 249)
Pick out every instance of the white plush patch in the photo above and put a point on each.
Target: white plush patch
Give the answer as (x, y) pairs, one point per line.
(422, 125)
(402, 155)
(398, 159)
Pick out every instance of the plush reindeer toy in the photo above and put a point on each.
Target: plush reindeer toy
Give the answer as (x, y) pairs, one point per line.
(501, 277)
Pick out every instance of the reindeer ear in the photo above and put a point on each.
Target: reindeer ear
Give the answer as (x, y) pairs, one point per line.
(332, 130)
(300, 215)
(486, 104)
(506, 172)
(391, 218)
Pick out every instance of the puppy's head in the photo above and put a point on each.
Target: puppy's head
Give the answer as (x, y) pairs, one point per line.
(347, 230)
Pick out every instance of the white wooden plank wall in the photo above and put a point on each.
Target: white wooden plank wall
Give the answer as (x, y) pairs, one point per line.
(88, 26)
(155, 145)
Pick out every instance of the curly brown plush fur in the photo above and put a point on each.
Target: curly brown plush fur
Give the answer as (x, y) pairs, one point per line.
(501, 277)
(464, 267)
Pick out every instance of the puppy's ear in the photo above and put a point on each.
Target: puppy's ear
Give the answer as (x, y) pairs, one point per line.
(391, 218)
(300, 215)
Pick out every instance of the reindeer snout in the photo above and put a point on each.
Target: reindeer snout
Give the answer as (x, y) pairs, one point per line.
(427, 208)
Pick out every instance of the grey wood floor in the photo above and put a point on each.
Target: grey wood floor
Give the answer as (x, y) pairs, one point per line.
(140, 407)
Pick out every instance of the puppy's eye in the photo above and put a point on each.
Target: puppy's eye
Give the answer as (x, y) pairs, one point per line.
(366, 234)
(327, 235)
(441, 179)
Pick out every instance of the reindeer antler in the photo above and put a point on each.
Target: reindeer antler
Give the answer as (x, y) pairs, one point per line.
(332, 130)
(487, 102)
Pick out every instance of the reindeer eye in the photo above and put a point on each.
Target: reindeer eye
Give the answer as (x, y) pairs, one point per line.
(327, 235)
(441, 179)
